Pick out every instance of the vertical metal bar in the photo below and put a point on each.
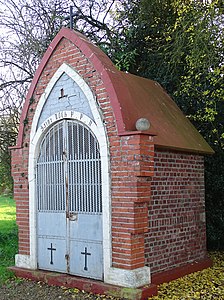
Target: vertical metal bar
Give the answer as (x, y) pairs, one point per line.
(44, 177)
(71, 176)
(40, 196)
(43, 185)
(75, 167)
(66, 157)
(65, 153)
(81, 173)
(78, 167)
(68, 127)
(95, 177)
(91, 179)
(99, 187)
(69, 162)
(88, 174)
(37, 187)
(41, 177)
(59, 179)
(55, 168)
(45, 174)
(52, 169)
(77, 170)
(58, 169)
(47, 189)
(84, 170)
(60, 186)
(99, 180)
(49, 171)
(57, 162)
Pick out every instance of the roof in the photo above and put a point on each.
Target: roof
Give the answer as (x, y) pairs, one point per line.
(132, 97)
(172, 129)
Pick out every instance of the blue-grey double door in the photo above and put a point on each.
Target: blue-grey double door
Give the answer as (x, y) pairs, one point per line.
(69, 201)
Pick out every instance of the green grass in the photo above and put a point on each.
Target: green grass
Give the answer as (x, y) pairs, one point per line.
(8, 236)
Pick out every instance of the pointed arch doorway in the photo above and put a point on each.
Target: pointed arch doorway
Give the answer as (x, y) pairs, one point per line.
(43, 121)
(69, 201)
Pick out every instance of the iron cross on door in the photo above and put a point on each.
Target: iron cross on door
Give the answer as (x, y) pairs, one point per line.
(51, 249)
(69, 201)
(85, 254)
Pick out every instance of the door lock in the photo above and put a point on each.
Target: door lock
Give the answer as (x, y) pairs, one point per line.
(73, 216)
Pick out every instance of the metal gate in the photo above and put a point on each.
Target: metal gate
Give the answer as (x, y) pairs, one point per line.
(69, 201)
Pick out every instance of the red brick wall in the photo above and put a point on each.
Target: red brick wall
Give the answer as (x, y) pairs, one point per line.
(176, 233)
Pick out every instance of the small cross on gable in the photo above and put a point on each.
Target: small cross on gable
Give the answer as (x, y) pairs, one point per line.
(70, 17)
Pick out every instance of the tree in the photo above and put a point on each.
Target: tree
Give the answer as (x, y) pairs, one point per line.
(97, 21)
(180, 44)
(26, 29)
(8, 134)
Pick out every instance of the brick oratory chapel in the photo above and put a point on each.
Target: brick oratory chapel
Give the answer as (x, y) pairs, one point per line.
(108, 177)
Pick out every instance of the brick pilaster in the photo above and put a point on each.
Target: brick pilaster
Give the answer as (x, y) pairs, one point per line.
(132, 170)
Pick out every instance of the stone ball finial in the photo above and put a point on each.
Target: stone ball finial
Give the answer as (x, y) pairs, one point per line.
(142, 124)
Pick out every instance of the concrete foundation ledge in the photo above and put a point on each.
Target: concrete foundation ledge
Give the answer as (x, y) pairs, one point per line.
(88, 285)
(24, 261)
(128, 278)
(172, 274)
(99, 287)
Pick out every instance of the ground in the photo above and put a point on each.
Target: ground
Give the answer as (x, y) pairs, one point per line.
(20, 289)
